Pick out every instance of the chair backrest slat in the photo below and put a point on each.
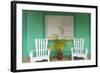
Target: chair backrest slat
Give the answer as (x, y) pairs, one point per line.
(78, 44)
(41, 51)
(41, 47)
(36, 46)
(78, 49)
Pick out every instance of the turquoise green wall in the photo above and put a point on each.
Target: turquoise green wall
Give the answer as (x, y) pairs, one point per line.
(34, 27)
(24, 34)
(82, 28)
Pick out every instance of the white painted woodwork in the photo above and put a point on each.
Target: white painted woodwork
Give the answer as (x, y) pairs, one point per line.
(60, 25)
(41, 50)
(78, 50)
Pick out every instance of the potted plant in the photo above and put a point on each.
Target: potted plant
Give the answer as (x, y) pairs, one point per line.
(59, 45)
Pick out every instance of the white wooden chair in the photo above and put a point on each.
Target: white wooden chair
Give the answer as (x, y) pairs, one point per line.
(78, 50)
(41, 51)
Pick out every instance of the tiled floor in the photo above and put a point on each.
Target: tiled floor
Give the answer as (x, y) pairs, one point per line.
(27, 59)
(63, 59)
(67, 58)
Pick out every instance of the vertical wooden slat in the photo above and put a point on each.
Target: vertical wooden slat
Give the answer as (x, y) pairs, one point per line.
(36, 44)
(31, 56)
(80, 40)
(82, 46)
(46, 46)
(80, 43)
(76, 43)
(39, 46)
(43, 47)
(83, 43)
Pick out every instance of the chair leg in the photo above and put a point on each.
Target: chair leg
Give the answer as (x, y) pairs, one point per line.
(72, 54)
(48, 55)
(86, 53)
(31, 56)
